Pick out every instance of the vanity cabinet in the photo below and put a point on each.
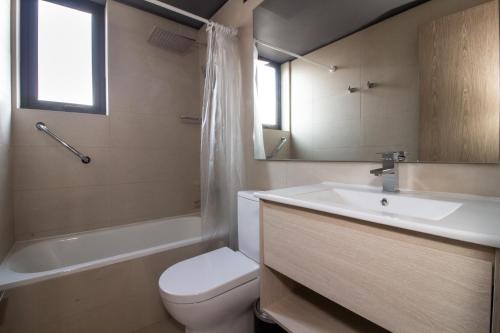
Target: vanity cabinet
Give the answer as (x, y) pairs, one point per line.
(495, 327)
(324, 273)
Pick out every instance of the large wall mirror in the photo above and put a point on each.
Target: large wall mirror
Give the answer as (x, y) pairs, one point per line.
(343, 80)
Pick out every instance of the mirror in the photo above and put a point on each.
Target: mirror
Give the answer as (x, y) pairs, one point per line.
(343, 80)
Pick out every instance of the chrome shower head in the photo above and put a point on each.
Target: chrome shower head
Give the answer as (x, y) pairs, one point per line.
(169, 40)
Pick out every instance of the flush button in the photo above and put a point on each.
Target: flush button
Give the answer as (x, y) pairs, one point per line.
(384, 202)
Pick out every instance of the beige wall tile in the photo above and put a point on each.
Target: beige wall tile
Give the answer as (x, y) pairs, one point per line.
(47, 212)
(460, 178)
(338, 153)
(158, 82)
(303, 173)
(78, 129)
(149, 200)
(266, 175)
(388, 128)
(54, 167)
(147, 131)
(132, 165)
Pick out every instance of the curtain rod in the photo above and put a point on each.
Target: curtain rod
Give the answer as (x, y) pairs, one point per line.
(330, 68)
(178, 10)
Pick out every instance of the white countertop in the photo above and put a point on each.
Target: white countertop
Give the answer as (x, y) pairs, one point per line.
(469, 218)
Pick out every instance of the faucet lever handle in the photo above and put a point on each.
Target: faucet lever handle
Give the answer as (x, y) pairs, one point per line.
(397, 156)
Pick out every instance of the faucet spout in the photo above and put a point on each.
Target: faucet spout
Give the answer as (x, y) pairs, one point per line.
(382, 171)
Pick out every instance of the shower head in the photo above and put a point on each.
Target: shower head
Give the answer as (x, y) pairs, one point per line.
(169, 40)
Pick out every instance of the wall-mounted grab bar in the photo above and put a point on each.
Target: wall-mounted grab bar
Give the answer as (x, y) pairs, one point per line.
(278, 148)
(42, 127)
(191, 120)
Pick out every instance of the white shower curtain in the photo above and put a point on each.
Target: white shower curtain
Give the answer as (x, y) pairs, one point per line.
(258, 135)
(221, 142)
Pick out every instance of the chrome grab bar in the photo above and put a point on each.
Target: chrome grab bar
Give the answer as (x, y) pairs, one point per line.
(192, 120)
(278, 148)
(42, 127)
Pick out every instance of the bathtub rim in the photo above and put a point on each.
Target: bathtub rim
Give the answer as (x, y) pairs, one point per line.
(24, 279)
(90, 231)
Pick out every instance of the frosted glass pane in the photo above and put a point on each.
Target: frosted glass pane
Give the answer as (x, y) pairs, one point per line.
(64, 54)
(267, 94)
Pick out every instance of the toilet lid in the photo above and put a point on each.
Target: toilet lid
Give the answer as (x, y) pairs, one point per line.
(205, 276)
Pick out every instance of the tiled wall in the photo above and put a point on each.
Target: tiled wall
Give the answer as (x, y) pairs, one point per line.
(475, 179)
(6, 221)
(328, 123)
(145, 161)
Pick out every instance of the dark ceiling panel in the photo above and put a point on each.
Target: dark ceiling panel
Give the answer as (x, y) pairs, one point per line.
(304, 26)
(203, 8)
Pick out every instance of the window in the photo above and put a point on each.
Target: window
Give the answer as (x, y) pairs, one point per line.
(269, 96)
(62, 56)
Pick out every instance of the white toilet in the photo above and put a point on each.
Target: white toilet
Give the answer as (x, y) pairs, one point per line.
(214, 292)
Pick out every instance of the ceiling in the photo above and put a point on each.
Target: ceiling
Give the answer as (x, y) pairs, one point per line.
(203, 8)
(302, 26)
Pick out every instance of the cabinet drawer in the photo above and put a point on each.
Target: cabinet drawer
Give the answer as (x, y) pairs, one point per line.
(402, 281)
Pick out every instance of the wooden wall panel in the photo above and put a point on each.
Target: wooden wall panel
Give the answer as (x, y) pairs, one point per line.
(459, 87)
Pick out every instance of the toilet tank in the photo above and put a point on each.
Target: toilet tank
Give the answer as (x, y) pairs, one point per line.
(248, 225)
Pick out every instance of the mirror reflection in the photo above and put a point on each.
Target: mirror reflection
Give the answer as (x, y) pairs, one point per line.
(344, 80)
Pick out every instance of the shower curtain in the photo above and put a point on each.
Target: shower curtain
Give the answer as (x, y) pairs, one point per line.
(258, 135)
(221, 141)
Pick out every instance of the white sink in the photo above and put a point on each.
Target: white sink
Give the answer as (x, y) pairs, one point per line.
(463, 217)
(396, 204)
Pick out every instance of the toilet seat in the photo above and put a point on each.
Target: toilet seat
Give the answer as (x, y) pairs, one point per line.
(205, 276)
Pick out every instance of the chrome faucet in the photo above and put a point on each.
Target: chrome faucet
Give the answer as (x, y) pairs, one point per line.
(390, 170)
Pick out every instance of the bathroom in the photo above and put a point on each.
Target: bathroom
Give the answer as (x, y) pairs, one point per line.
(153, 187)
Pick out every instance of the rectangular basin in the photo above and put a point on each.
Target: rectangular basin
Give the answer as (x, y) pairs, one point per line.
(464, 217)
(398, 204)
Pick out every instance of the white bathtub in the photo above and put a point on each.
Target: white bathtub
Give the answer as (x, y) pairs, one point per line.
(31, 261)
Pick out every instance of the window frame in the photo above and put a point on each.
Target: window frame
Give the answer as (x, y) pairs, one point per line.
(277, 68)
(29, 57)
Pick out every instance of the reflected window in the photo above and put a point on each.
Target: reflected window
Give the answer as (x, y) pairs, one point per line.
(62, 55)
(268, 91)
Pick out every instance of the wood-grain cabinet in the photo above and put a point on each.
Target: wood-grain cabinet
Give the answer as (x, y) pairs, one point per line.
(326, 273)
